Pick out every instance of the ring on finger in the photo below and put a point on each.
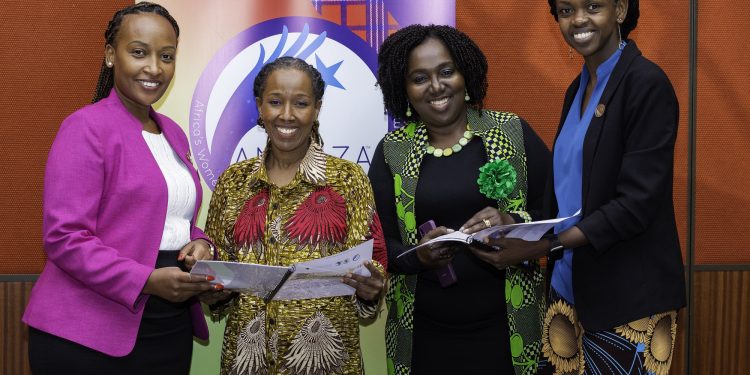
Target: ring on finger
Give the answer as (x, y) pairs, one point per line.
(487, 223)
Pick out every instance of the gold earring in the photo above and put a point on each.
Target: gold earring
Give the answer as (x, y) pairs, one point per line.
(408, 110)
(109, 64)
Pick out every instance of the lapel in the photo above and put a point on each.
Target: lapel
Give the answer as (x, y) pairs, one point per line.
(594, 132)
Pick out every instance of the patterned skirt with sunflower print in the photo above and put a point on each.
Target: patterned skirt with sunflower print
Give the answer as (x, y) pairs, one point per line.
(643, 346)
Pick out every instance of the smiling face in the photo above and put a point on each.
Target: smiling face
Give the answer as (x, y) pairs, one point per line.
(143, 58)
(288, 108)
(591, 26)
(435, 87)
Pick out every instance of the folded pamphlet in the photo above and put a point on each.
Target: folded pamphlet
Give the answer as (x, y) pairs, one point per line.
(531, 231)
(317, 278)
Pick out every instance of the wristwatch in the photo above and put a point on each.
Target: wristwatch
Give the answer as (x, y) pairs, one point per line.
(554, 243)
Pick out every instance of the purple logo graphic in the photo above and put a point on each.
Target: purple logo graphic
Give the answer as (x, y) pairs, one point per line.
(223, 113)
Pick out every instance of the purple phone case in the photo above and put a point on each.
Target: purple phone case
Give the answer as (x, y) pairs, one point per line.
(446, 275)
(426, 227)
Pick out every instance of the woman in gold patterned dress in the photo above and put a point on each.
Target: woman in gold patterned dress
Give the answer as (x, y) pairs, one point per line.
(291, 204)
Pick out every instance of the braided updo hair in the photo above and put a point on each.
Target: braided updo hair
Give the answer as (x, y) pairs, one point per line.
(628, 25)
(393, 62)
(289, 62)
(106, 81)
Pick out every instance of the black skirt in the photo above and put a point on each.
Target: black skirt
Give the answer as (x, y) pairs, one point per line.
(164, 345)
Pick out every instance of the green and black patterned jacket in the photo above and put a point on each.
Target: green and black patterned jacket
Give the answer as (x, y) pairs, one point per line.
(502, 135)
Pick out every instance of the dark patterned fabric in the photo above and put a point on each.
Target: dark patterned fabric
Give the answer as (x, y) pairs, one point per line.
(641, 347)
(502, 138)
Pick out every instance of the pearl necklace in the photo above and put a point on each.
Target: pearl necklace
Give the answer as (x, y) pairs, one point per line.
(439, 152)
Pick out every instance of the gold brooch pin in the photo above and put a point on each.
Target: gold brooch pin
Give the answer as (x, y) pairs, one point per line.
(600, 110)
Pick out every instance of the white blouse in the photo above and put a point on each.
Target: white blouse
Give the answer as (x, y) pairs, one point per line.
(181, 189)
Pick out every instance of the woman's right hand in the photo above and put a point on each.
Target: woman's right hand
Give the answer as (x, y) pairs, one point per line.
(174, 285)
(213, 297)
(435, 255)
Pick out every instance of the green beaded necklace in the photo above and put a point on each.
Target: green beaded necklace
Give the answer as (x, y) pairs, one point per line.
(439, 152)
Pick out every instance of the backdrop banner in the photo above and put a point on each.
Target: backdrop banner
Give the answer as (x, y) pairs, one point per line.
(223, 45)
(227, 43)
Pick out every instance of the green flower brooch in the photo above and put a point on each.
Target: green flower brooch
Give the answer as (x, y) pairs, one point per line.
(497, 179)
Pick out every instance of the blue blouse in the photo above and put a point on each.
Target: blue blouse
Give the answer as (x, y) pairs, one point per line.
(568, 164)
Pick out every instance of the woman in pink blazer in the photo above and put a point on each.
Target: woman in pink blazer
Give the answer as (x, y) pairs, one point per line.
(120, 201)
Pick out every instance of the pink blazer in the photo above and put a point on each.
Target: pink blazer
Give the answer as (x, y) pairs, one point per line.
(105, 203)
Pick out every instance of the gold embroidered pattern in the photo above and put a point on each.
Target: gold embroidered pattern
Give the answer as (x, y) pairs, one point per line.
(270, 242)
(317, 349)
(562, 339)
(251, 345)
(662, 330)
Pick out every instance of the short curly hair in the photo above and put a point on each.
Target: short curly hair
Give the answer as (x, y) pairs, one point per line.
(393, 61)
(628, 25)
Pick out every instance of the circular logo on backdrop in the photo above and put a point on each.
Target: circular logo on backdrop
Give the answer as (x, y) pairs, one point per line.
(223, 113)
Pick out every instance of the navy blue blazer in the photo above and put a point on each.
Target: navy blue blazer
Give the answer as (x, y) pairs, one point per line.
(632, 267)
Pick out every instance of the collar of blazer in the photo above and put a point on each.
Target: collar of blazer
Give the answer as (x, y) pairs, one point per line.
(591, 140)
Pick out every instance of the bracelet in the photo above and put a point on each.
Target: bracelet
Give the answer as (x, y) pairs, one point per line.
(210, 247)
(554, 242)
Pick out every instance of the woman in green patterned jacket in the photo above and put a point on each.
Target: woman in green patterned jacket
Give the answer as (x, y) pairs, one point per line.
(434, 79)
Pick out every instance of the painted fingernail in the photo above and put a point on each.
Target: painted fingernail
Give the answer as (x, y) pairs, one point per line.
(218, 287)
(210, 278)
(181, 257)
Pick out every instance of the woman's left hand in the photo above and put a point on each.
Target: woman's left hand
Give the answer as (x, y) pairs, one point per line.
(511, 251)
(485, 218)
(367, 288)
(194, 251)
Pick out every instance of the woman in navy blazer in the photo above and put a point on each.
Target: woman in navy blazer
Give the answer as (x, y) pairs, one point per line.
(616, 271)
(119, 190)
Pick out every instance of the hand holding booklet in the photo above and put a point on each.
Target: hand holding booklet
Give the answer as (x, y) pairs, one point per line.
(317, 278)
(530, 231)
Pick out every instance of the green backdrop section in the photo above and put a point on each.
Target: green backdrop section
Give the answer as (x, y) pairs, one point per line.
(206, 356)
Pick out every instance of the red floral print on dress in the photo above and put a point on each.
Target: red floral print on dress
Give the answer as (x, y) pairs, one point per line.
(378, 246)
(249, 228)
(320, 221)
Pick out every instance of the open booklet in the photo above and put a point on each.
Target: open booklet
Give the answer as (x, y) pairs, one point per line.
(317, 278)
(530, 231)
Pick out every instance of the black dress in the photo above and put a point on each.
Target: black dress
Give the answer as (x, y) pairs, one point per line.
(462, 328)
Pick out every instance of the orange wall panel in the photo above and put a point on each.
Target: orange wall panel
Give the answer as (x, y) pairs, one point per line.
(52, 51)
(723, 134)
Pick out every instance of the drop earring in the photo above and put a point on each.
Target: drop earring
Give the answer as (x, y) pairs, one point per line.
(622, 43)
(408, 109)
(467, 97)
(570, 53)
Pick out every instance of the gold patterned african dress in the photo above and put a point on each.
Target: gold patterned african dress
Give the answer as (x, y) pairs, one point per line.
(328, 207)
